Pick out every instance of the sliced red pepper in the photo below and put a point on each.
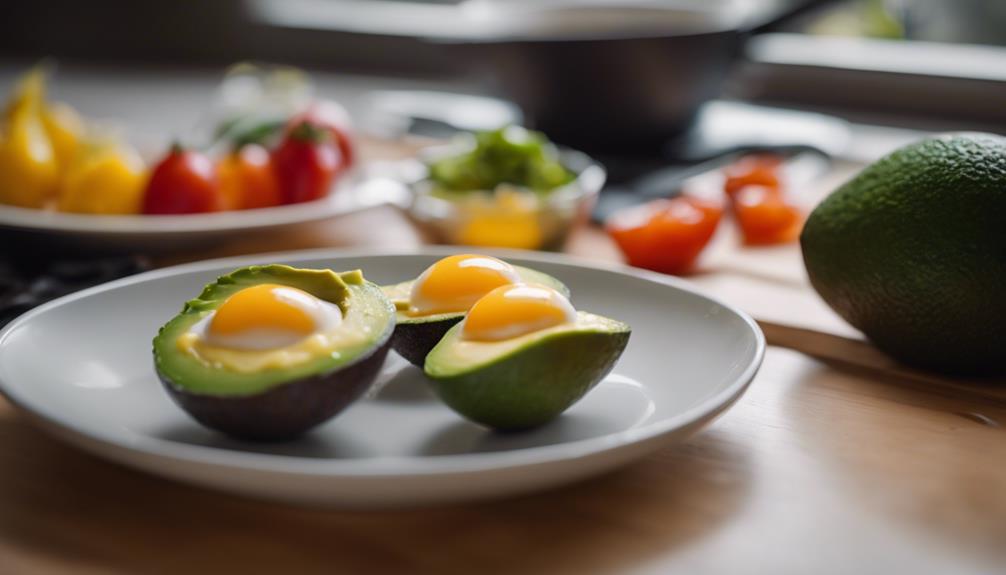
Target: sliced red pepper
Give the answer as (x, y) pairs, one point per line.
(665, 235)
(766, 217)
(753, 170)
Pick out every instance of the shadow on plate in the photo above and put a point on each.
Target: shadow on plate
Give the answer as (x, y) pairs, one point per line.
(457, 438)
(402, 417)
(313, 445)
(466, 437)
(401, 382)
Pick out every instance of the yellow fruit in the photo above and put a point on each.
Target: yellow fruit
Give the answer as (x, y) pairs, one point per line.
(64, 128)
(29, 173)
(28, 93)
(109, 179)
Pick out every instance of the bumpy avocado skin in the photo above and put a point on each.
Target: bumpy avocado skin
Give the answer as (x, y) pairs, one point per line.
(416, 336)
(912, 252)
(287, 411)
(283, 409)
(533, 384)
(414, 340)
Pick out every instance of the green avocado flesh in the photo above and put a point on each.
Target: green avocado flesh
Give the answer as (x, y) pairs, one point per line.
(912, 251)
(363, 305)
(415, 336)
(529, 380)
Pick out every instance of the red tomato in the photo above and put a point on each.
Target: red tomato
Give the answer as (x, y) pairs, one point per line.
(333, 117)
(765, 217)
(184, 182)
(753, 170)
(306, 163)
(247, 179)
(665, 235)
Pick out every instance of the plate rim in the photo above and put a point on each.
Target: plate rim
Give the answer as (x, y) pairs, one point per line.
(391, 466)
(342, 200)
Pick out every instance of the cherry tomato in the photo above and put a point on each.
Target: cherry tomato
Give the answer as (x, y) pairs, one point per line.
(765, 217)
(247, 180)
(184, 182)
(665, 235)
(753, 170)
(333, 117)
(306, 163)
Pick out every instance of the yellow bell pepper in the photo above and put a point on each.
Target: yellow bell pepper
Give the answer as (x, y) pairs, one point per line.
(64, 128)
(62, 124)
(104, 179)
(28, 92)
(29, 172)
(37, 143)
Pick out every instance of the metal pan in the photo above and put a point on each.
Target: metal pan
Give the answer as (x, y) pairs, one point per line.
(599, 75)
(621, 80)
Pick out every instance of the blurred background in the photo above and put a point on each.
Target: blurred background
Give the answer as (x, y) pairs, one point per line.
(896, 62)
(659, 92)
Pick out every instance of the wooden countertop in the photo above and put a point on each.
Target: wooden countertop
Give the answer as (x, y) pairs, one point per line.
(842, 465)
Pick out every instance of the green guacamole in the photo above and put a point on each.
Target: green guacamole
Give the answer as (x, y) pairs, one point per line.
(511, 155)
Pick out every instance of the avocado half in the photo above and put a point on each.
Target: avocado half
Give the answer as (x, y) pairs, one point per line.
(529, 380)
(415, 336)
(280, 402)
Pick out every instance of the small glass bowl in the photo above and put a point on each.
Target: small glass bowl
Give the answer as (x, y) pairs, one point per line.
(511, 216)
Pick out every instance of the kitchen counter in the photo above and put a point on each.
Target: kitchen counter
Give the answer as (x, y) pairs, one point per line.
(835, 461)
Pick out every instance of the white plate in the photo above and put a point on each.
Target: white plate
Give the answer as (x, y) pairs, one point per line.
(140, 233)
(81, 365)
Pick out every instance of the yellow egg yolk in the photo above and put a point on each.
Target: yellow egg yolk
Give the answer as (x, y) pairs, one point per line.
(454, 283)
(265, 307)
(272, 326)
(515, 310)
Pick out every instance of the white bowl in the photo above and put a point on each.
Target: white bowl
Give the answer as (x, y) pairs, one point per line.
(82, 233)
(554, 215)
(81, 366)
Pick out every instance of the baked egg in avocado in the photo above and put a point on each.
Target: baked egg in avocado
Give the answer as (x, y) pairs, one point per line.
(522, 356)
(268, 352)
(439, 298)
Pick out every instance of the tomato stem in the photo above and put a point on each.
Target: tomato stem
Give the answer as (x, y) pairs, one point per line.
(308, 131)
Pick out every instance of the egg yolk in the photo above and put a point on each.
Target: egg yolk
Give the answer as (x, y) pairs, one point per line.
(265, 307)
(512, 311)
(454, 283)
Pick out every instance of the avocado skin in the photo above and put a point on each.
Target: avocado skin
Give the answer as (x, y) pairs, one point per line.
(534, 384)
(289, 410)
(912, 252)
(414, 340)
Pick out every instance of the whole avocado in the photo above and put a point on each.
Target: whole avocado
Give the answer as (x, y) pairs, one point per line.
(912, 252)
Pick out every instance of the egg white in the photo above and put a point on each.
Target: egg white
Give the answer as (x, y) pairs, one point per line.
(420, 305)
(517, 329)
(325, 315)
